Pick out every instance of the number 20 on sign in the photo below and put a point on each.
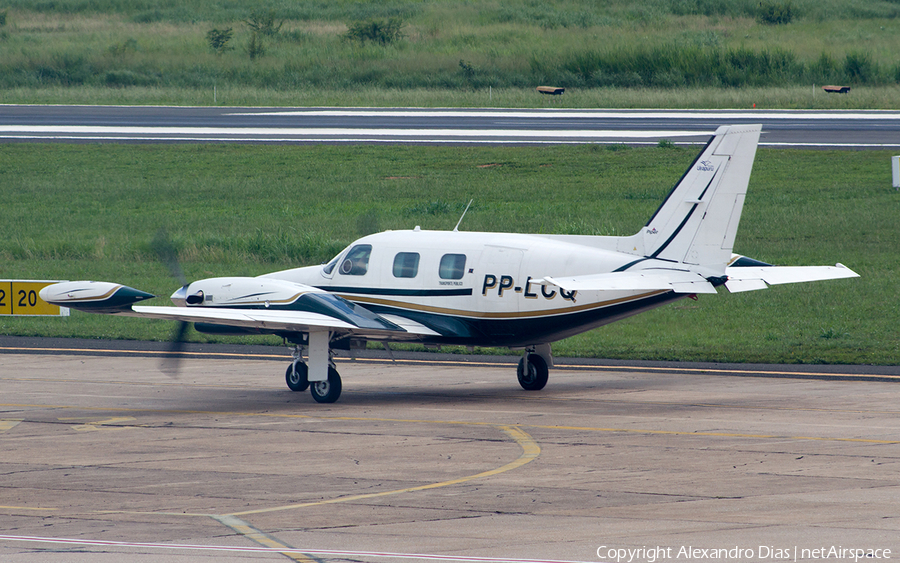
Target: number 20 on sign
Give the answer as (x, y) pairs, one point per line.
(20, 297)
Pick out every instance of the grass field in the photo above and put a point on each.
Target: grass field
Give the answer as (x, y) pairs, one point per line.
(91, 212)
(618, 53)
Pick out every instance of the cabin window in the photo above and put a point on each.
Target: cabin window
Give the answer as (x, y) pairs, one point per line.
(356, 262)
(453, 266)
(406, 264)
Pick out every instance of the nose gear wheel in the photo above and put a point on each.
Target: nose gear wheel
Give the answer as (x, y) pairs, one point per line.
(296, 376)
(532, 372)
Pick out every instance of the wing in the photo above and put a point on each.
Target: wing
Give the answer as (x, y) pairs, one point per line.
(679, 281)
(306, 309)
(749, 278)
(286, 321)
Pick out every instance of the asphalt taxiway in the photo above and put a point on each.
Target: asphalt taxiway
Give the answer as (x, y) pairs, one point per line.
(107, 458)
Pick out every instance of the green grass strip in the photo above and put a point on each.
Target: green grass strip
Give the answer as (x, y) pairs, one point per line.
(91, 212)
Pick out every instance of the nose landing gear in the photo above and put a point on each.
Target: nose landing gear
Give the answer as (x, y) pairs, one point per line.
(297, 376)
(534, 368)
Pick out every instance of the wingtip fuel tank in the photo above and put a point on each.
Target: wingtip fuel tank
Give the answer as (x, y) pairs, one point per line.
(93, 296)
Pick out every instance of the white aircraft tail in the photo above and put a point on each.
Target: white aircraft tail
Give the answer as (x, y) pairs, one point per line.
(698, 221)
(695, 226)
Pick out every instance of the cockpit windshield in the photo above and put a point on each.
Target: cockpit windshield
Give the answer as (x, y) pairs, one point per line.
(329, 267)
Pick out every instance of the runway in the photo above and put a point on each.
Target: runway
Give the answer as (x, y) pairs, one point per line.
(162, 124)
(106, 458)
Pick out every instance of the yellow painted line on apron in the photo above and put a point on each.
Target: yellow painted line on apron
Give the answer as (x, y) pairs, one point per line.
(463, 363)
(261, 537)
(718, 434)
(530, 451)
(467, 423)
(8, 424)
(115, 352)
(97, 424)
(26, 508)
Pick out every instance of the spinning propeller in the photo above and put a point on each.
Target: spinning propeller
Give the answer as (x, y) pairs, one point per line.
(168, 255)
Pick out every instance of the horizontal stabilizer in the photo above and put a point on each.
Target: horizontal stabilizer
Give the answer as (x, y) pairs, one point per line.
(760, 277)
(678, 281)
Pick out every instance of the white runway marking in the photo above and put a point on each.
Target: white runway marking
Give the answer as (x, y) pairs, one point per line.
(424, 141)
(344, 132)
(235, 548)
(259, 140)
(581, 114)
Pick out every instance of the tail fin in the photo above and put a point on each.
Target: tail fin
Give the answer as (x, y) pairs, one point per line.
(697, 222)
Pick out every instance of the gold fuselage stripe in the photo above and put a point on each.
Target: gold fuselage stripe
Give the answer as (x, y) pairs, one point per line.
(497, 315)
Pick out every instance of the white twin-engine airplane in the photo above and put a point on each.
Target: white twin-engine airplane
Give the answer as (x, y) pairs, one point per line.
(520, 291)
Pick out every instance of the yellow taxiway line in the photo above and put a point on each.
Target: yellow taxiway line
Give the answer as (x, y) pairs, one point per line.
(604, 367)
(530, 451)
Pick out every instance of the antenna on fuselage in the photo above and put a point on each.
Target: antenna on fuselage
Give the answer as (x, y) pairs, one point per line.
(456, 228)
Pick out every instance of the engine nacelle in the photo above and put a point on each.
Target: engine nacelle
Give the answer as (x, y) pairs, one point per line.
(241, 292)
(263, 292)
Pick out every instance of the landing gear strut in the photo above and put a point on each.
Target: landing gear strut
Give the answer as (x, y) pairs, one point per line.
(534, 369)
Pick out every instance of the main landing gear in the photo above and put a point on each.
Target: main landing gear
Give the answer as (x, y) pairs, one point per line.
(327, 390)
(297, 379)
(324, 383)
(534, 367)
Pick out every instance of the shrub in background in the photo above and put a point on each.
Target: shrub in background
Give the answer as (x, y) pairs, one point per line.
(218, 39)
(256, 48)
(775, 12)
(130, 45)
(125, 78)
(383, 32)
(263, 22)
(859, 68)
